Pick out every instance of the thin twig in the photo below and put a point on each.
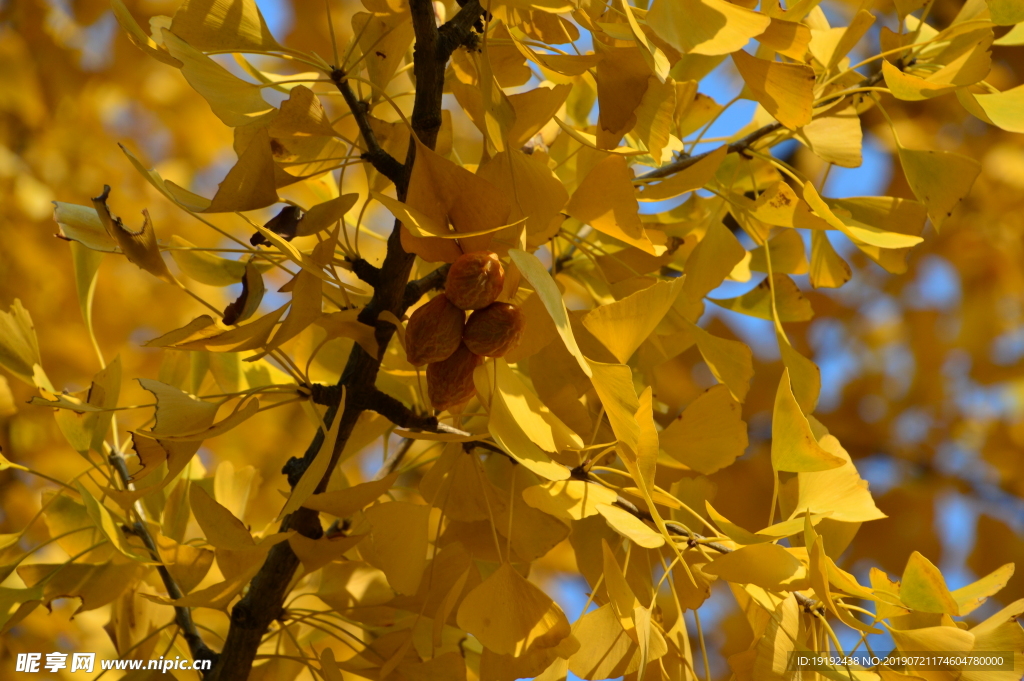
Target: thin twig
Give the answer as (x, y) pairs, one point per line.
(743, 144)
(414, 290)
(182, 615)
(386, 164)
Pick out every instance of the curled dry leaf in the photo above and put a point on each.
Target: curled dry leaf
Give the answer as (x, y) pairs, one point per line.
(140, 247)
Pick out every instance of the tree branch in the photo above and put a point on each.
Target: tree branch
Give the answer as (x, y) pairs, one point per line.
(386, 164)
(808, 604)
(414, 290)
(367, 272)
(263, 602)
(741, 145)
(182, 615)
(458, 31)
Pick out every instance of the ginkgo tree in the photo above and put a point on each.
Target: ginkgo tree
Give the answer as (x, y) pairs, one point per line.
(553, 238)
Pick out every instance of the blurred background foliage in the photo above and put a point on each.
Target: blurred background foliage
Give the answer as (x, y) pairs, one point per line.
(922, 373)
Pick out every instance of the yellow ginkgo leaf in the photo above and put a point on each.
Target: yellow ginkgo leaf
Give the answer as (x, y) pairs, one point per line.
(324, 215)
(779, 205)
(939, 179)
(346, 324)
(712, 260)
(653, 129)
(222, 529)
(208, 268)
(949, 640)
(818, 568)
(384, 39)
(786, 91)
(709, 27)
(399, 537)
(233, 100)
(623, 325)
(923, 588)
(241, 413)
(757, 302)
(828, 270)
(307, 297)
(139, 37)
(788, 38)
(547, 291)
(509, 615)
(446, 193)
(313, 475)
(19, 349)
(212, 25)
(960, 65)
(177, 412)
(851, 36)
(95, 584)
(768, 566)
(542, 426)
(568, 500)
(316, 553)
(82, 224)
(710, 433)
(614, 386)
(803, 374)
(104, 520)
(741, 535)
(969, 598)
(606, 649)
(787, 251)
(532, 189)
(858, 231)
(1002, 109)
(342, 503)
(731, 362)
(621, 77)
(620, 595)
(249, 185)
(1005, 12)
(836, 138)
(794, 447)
(631, 527)
(839, 492)
(186, 563)
(912, 88)
(656, 59)
(514, 436)
(205, 334)
(533, 109)
(605, 200)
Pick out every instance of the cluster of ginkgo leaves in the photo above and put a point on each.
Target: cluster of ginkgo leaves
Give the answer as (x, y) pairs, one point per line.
(423, 570)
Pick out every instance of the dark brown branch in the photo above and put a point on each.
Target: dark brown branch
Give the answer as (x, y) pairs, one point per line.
(414, 290)
(458, 31)
(393, 410)
(263, 602)
(367, 272)
(386, 164)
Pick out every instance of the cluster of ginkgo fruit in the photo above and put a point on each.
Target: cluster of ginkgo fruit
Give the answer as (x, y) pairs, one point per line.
(440, 336)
